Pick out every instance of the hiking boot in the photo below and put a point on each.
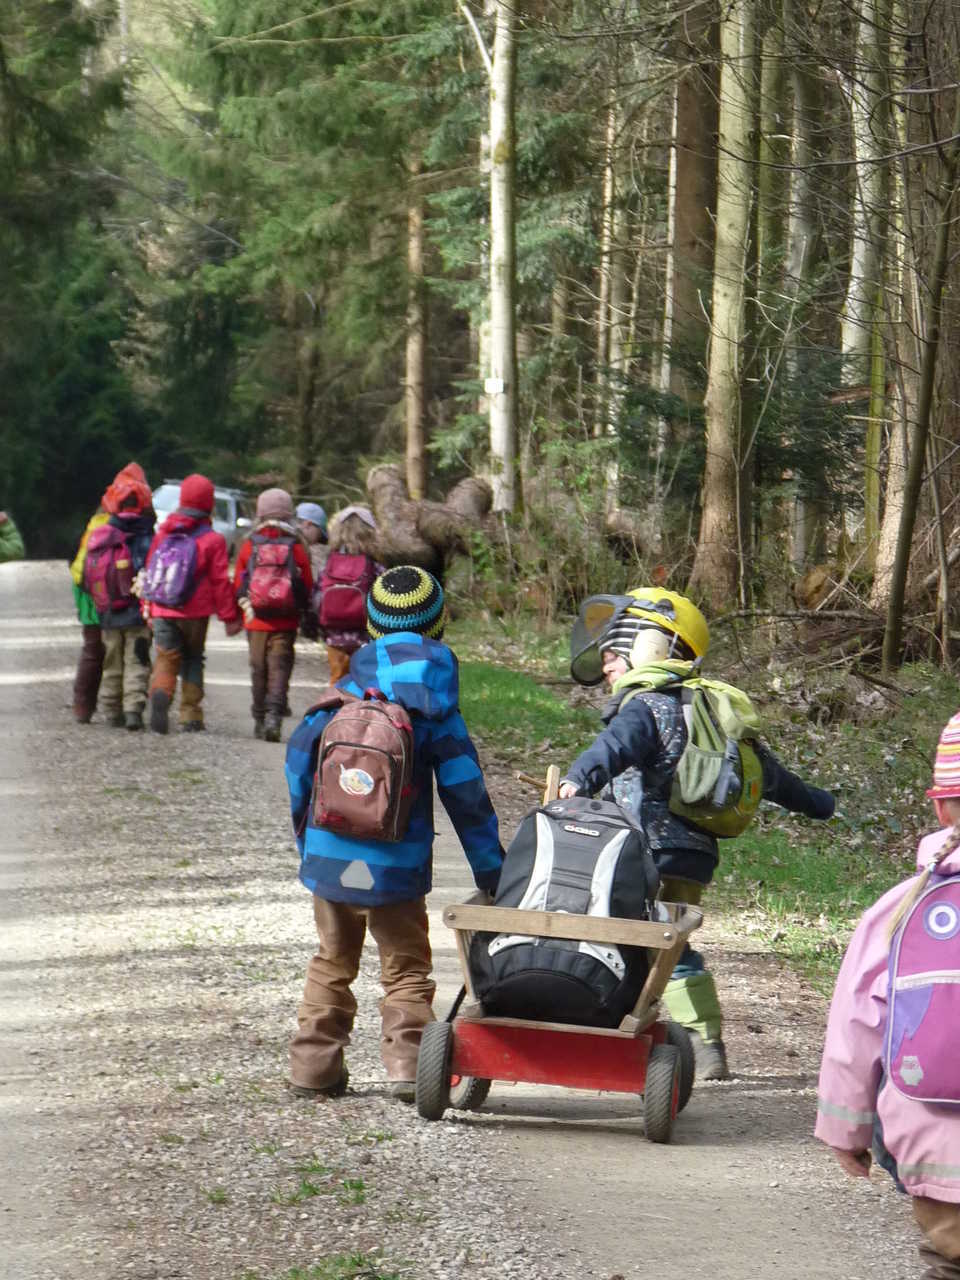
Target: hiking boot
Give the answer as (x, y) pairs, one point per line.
(82, 715)
(335, 1090)
(115, 719)
(193, 726)
(287, 709)
(271, 728)
(258, 729)
(710, 1057)
(159, 711)
(402, 1090)
(133, 720)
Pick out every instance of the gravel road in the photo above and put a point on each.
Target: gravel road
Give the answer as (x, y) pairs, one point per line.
(154, 939)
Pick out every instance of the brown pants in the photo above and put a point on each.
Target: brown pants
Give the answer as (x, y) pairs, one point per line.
(180, 643)
(339, 661)
(271, 665)
(328, 1007)
(89, 671)
(940, 1222)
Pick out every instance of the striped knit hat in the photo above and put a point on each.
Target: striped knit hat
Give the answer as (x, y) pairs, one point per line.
(406, 599)
(946, 767)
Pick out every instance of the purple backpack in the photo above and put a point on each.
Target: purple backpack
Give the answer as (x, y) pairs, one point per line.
(921, 1051)
(169, 576)
(108, 569)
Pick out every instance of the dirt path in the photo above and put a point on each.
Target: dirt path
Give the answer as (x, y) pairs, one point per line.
(152, 951)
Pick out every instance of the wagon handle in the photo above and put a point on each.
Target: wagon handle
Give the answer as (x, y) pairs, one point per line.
(550, 785)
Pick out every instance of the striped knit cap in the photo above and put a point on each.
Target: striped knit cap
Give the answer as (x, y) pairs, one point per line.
(406, 599)
(946, 767)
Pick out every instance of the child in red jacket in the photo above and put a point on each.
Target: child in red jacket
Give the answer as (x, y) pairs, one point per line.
(273, 581)
(180, 630)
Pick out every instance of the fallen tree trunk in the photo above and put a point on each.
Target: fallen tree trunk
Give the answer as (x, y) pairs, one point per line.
(423, 532)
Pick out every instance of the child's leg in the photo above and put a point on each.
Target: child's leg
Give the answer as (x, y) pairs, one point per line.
(691, 994)
(163, 684)
(339, 661)
(136, 669)
(279, 669)
(940, 1222)
(328, 1007)
(191, 690)
(111, 684)
(86, 685)
(257, 649)
(400, 931)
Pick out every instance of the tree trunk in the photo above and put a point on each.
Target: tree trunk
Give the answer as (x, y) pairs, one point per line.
(308, 364)
(893, 631)
(425, 533)
(716, 566)
(502, 386)
(415, 387)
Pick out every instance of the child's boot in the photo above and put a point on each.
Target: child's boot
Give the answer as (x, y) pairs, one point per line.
(133, 720)
(710, 1057)
(271, 727)
(159, 711)
(258, 730)
(691, 999)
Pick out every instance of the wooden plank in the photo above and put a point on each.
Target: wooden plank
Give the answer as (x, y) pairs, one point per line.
(552, 788)
(559, 924)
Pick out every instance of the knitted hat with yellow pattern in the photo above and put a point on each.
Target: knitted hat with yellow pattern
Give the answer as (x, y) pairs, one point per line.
(946, 767)
(406, 599)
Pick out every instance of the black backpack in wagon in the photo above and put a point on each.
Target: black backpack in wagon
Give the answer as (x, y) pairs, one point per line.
(585, 857)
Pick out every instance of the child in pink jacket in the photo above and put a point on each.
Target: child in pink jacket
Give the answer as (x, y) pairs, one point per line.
(856, 1100)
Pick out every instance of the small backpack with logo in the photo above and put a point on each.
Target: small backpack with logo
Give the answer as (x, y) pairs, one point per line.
(921, 1050)
(272, 584)
(364, 781)
(584, 857)
(344, 586)
(168, 579)
(108, 571)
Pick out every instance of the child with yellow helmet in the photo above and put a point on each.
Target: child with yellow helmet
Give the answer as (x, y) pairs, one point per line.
(645, 644)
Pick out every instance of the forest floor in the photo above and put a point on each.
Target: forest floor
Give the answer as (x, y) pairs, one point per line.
(153, 940)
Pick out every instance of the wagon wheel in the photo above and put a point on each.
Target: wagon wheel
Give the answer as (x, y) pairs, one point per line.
(679, 1037)
(433, 1070)
(661, 1092)
(469, 1093)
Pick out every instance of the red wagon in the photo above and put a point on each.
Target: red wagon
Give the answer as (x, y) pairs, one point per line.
(462, 1056)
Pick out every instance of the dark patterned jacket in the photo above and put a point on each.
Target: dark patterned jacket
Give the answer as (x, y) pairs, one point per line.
(633, 761)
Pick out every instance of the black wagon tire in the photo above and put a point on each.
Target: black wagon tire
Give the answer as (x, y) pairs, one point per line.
(433, 1070)
(469, 1093)
(679, 1037)
(661, 1092)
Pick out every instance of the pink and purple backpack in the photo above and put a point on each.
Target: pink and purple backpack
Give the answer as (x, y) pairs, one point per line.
(171, 570)
(108, 571)
(921, 1053)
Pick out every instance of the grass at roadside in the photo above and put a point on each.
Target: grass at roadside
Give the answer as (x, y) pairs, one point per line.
(796, 885)
(342, 1266)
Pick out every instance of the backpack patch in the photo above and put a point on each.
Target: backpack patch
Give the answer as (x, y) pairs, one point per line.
(363, 785)
(345, 584)
(108, 571)
(921, 1044)
(169, 576)
(272, 578)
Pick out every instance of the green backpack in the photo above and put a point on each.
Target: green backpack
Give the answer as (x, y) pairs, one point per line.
(718, 783)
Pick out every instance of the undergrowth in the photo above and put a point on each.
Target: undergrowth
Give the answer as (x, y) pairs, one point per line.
(795, 885)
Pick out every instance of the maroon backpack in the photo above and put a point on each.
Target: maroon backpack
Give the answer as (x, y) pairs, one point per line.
(344, 584)
(364, 780)
(272, 579)
(108, 571)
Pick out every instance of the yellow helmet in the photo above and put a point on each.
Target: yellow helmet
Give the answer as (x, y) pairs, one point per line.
(612, 622)
(672, 612)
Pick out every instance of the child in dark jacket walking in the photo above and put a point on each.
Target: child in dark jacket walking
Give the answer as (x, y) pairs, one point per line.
(629, 641)
(358, 884)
